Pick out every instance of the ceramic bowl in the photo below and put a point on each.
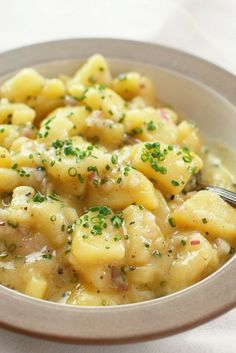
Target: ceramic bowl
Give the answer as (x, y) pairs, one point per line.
(194, 87)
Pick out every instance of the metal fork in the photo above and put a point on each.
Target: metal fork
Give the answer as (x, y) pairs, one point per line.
(228, 196)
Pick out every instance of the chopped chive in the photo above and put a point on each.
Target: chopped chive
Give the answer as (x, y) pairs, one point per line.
(53, 218)
(156, 253)
(174, 182)
(151, 126)
(114, 159)
(72, 171)
(172, 222)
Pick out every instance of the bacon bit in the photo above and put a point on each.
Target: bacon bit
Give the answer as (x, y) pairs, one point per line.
(92, 176)
(117, 280)
(164, 115)
(27, 132)
(217, 242)
(142, 86)
(195, 242)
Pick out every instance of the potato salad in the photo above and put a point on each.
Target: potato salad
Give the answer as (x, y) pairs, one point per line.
(98, 190)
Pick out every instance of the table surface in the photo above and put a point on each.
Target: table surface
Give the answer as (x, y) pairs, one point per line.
(203, 28)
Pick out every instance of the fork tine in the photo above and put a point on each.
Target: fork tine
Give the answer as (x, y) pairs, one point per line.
(226, 195)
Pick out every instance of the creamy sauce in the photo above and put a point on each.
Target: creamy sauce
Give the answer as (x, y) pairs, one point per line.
(98, 190)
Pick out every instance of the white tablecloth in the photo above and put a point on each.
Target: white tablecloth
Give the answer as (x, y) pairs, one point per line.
(205, 28)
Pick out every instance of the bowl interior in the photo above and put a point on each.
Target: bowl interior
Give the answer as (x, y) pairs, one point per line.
(211, 111)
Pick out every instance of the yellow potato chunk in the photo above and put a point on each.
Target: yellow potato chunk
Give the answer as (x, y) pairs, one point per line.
(127, 85)
(48, 218)
(97, 276)
(90, 297)
(71, 162)
(75, 88)
(97, 240)
(148, 125)
(18, 176)
(95, 70)
(18, 213)
(105, 131)
(53, 89)
(142, 232)
(147, 90)
(28, 86)
(73, 119)
(129, 186)
(43, 105)
(26, 152)
(76, 115)
(55, 129)
(26, 83)
(132, 84)
(104, 99)
(215, 173)
(143, 275)
(8, 134)
(137, 103)
(133, 120)
(36, 287)
(168, 114)
(188, 135)
(19, 198)
(5, 158)
(10, 179)
(97, 251)
(194, 257)
(170, 166)
(208, 213)
(16, 113)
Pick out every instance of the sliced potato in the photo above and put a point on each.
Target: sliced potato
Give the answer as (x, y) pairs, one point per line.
(71, 162)
(104, 131)
(208, 213)
(26, 83)
(170, 166)
(97, 241)
(91, 297)
(129, 186)
(109, 102)
(36, 287)
(94, 71)
(5, 158)
(148, 125)
(15, 113)
(142, 232)
(195, 256)
(188, 135)
(132, 84)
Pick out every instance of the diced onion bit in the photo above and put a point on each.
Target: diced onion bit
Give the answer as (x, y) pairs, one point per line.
(172, 222)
